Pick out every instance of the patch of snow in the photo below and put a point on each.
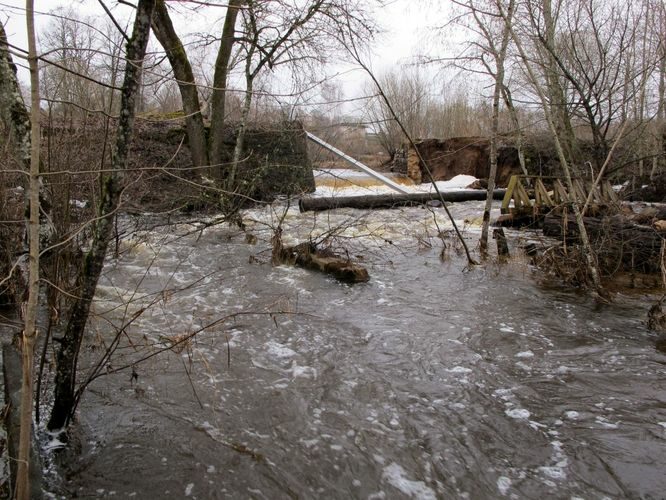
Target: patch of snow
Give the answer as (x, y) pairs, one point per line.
(572, 415)
(366, 185)
(78, 203)
(188, 489)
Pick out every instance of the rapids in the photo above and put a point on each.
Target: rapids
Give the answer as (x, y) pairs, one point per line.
(433, 380)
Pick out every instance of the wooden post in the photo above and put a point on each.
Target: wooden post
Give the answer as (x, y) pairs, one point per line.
(502, 246)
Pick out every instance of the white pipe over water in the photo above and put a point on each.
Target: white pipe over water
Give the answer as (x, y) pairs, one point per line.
(357, 164)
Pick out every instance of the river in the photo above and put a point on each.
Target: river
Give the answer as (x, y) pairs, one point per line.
(432, 380)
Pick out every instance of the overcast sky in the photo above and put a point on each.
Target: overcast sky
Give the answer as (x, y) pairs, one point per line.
(406, 23)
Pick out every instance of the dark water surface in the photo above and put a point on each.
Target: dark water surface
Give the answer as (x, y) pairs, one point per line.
(430, 381)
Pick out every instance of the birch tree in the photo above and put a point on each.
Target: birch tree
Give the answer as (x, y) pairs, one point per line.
(30, 319)
(494, 43)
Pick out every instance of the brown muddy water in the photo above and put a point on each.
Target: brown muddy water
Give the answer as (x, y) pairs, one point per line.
(429, 381)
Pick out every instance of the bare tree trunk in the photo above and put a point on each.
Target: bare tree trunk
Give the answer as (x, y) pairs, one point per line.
(12, 107)
(220, 86)
(556, 95)
(242, 126)
(585, 241)
(67, 356)
(660, 163)
(182, 70)
(30, 327)
(519, 136)
(499, 56)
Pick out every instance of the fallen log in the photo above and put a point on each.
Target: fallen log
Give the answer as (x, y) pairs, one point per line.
(306, 255)
(308, 203)
(619, 243)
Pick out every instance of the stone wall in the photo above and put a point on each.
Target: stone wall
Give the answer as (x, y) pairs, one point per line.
(275, 161)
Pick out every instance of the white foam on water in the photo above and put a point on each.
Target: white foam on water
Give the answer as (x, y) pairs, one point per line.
(395, 475)
(525, 354)
(459, 369)
(306, 372)
(606, 424)
(553, 472)
(310, 443)
(280, 351)
(560, 461)
(503, 484)
(518, 413)
(503, 393)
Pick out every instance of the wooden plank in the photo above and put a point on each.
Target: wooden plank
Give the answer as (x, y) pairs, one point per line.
(560, 193)
(579, 195)
(509, 194)
(522, 195)
(541, 195)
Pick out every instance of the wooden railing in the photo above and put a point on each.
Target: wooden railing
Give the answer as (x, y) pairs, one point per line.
(538, 200)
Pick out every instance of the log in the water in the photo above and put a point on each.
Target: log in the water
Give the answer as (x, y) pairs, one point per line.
(307, 256)
(307, 204)
(617, 240)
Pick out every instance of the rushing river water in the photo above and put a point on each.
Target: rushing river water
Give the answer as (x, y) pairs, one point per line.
(429, 381)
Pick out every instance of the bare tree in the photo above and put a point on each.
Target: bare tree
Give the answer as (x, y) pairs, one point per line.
(30, 316)
(527, 62)
(112, 186)
(182, 70)
(411, 97)
(495, 42)
(272, 35)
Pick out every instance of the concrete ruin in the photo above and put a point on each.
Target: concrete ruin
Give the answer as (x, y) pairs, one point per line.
(459, 155)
